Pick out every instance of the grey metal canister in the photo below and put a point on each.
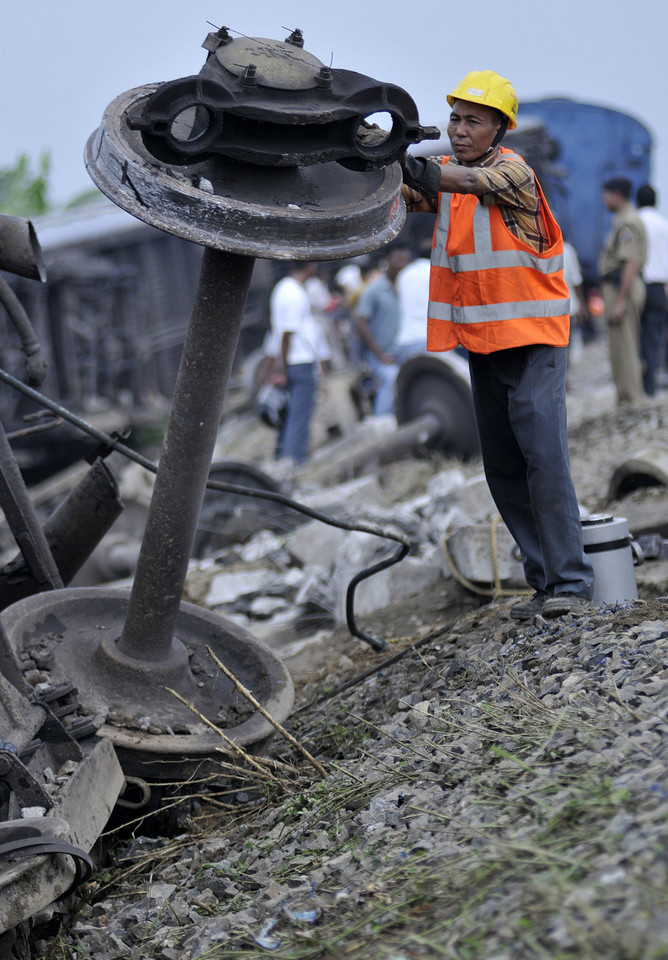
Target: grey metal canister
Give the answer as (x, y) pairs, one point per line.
(610, 547)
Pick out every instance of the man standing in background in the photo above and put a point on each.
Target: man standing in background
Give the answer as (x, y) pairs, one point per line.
(573, 278)
(377, 322)
(654, 318)
(301, 354)
(620, 267)
(413, 290)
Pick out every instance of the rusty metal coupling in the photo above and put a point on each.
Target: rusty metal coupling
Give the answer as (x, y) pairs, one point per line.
(271, 103)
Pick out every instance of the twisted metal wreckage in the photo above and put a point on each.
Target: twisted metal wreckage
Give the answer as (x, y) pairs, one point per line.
(261, 154)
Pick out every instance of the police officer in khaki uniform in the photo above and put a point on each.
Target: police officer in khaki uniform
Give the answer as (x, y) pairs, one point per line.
(620, 268)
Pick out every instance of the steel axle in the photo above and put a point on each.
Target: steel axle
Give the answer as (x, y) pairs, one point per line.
(126, 654)
(197, 409)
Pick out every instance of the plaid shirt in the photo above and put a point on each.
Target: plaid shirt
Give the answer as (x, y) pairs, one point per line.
(506, 183)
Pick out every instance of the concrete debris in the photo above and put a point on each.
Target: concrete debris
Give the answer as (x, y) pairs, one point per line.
(274, 577)
(471, 497)
(228, 587)
(351, 497)
(394, 585)
(645, 508)
(316, 541)
(485, 554)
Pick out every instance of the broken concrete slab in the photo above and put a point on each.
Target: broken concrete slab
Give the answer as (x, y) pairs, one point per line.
(645, 509)
(316, 543)
(341, 459)
(228, 587)
(652, 578)
(446, 483)
(484, 553)
(262, 608)
(350, 497)
(473, 498)
(317, 588)
(277, 632)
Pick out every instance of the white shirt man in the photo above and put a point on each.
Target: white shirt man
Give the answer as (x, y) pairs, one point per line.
(413, 290)
(297, 342)
(654, 318)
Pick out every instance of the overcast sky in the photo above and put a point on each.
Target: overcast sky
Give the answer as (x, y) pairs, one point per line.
(62, 64)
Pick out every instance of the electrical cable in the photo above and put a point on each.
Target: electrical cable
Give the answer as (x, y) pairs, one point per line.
(110, 443)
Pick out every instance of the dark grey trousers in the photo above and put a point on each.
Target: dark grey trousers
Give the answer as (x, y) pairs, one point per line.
(653, 325)
(520, 405)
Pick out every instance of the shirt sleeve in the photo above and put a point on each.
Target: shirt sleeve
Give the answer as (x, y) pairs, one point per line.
(630, 243)
(416, 202)
(365, 305)
(509, 183)
(285, 310)
(572, 274)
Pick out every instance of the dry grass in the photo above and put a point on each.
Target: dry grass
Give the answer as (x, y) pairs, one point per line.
(524, 856)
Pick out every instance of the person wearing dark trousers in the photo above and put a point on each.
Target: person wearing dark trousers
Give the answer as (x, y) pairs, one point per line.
(301, 355)
(620, 267)
(654, 318)
(377, 320)
(497, 288)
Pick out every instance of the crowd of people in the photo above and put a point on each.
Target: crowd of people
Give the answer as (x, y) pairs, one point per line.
(367, 316)
(370, 315)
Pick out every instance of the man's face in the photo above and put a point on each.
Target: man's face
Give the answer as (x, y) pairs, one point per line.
(613, 200)
(471, 130)
(396, 260)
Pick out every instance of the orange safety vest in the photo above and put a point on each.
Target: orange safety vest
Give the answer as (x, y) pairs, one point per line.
(487, 289)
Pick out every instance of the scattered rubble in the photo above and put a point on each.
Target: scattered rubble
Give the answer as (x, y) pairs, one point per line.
(494, 790)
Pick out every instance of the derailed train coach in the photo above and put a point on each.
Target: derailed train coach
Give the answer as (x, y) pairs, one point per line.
(111, 319)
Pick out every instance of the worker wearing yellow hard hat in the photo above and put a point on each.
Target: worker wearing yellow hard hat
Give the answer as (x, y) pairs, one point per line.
(490, 89)
(497, 289)
(496, 96)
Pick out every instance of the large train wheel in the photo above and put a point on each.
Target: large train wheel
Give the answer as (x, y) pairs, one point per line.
(433, 385)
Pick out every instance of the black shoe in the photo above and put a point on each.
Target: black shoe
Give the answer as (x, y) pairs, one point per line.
(528, 609)
(562, 603)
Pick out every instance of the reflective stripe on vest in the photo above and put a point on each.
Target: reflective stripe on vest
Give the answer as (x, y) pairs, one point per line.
(476, 285)
(494, 312)
(484, 255)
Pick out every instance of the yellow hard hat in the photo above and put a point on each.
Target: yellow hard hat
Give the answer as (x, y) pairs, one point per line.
(490, 89)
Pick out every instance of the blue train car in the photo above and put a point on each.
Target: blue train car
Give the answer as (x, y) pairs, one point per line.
(588, 144)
